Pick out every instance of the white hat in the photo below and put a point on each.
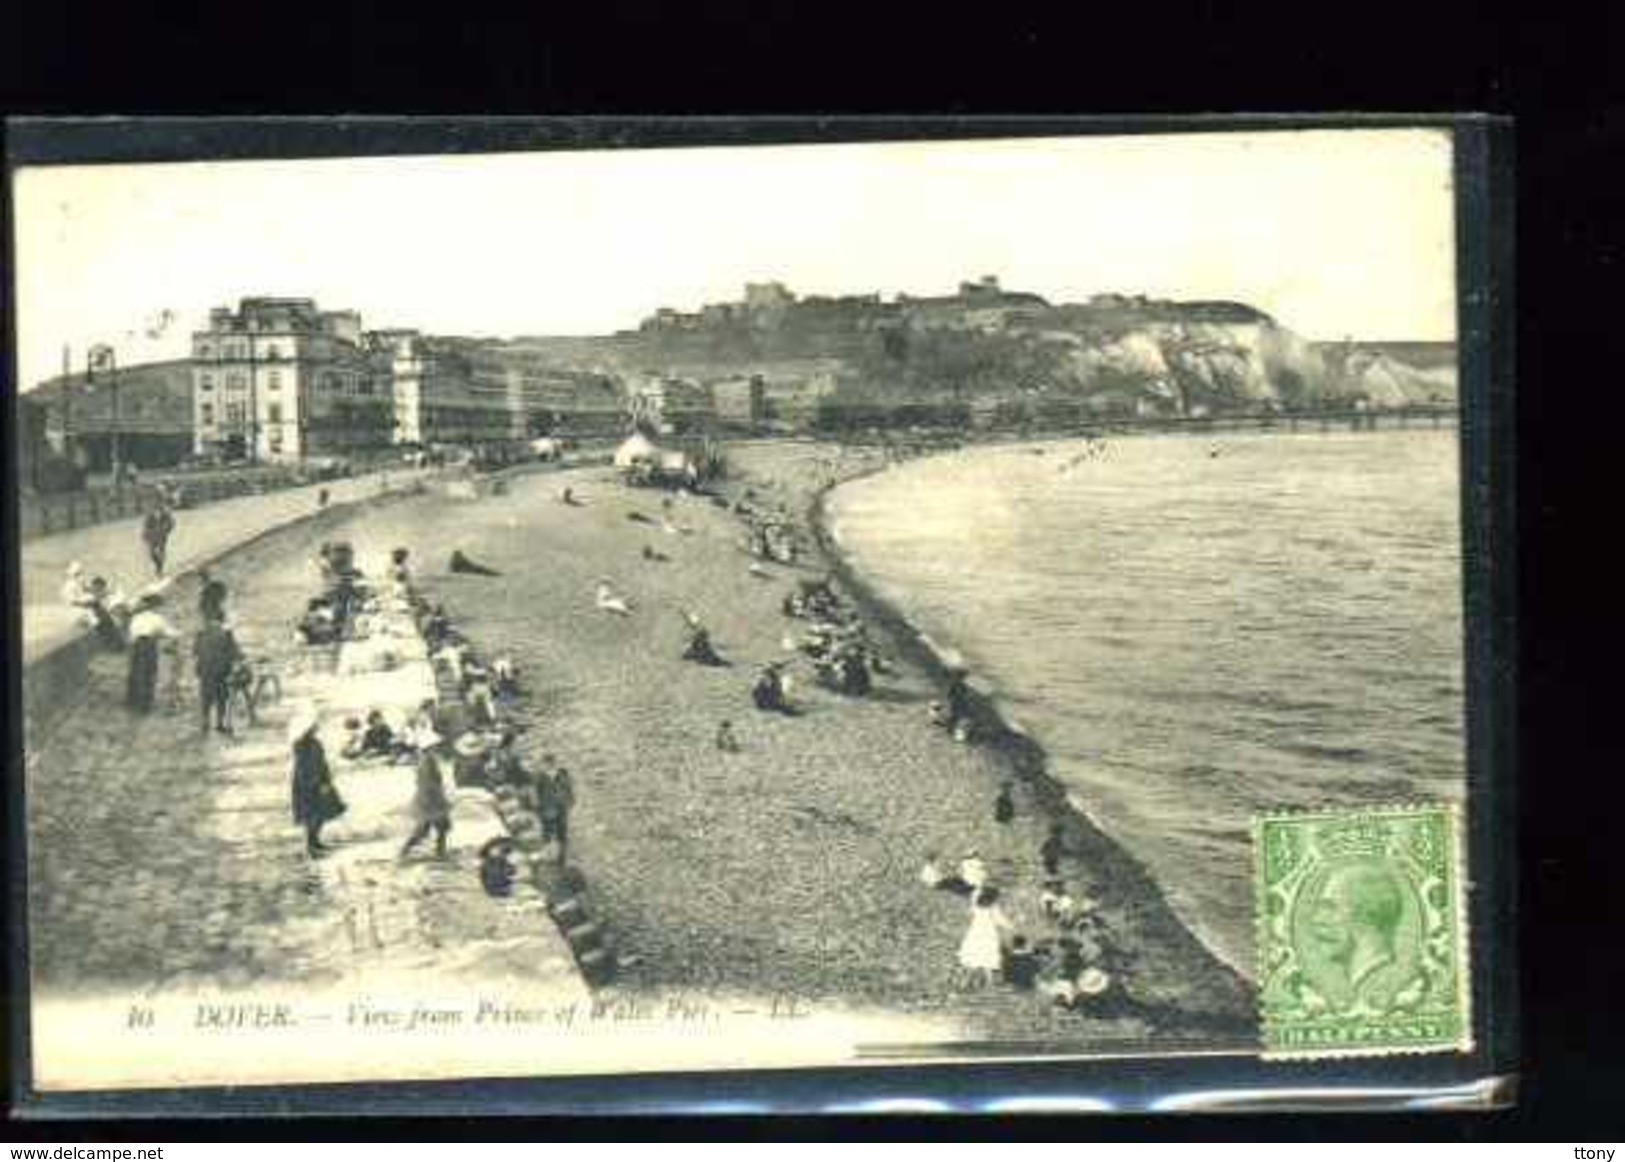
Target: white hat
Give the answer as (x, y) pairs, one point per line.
(1093, 981)
(303, 721)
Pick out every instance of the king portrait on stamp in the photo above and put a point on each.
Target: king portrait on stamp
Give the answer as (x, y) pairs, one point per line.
(1360, 932)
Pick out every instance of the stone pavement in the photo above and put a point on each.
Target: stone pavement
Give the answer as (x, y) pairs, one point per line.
(115, 550)
(167, 860)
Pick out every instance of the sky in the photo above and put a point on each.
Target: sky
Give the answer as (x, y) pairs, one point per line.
(1335, 233)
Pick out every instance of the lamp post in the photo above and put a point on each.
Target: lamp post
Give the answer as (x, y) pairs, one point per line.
(102, 357)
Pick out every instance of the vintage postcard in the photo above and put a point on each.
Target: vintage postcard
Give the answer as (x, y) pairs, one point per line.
(637, 610)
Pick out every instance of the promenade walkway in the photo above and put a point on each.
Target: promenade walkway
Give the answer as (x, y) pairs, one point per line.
(115, 550)
(166, 860)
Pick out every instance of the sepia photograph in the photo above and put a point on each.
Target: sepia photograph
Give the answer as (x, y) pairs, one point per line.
(639, 610)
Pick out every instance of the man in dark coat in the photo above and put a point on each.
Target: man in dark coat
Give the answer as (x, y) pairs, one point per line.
(555, 797)
(155, 529)
(216, 654)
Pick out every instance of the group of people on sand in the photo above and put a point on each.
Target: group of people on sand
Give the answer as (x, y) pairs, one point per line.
(769, 533)
(1071, 961)
(471, 740)
(834, 639)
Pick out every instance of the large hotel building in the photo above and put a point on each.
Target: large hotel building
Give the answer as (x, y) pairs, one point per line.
(278, 379)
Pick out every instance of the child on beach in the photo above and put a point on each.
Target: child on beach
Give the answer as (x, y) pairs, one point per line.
(981, 952)
(725, 737)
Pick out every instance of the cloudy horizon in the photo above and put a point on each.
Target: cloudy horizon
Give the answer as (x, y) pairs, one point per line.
(1333, 232)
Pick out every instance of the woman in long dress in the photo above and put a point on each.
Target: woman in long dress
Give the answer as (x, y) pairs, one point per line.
(315, 799)
(148, 629)
(431, 809)
(981, 952)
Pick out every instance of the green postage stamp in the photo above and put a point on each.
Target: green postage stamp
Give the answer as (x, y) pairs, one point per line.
(1362, 936)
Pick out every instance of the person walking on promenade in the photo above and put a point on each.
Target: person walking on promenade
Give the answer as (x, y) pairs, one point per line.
(215, 655)
(430, 807)
(981, 952)
(156, 528)
(316, 800)
(555, 798)
(148, 628)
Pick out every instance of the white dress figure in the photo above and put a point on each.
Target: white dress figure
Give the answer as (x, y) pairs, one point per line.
(982, 949)
(610, 602)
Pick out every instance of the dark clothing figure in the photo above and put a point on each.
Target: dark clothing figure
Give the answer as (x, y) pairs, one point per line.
(430, 807)
(212, 599)
(768, 693)
(462, 564)
(496, 869)
(555, 798)
(315, 799)
(155, 530)
(142, 680)
(699, 649)
(1050, 852)
(109, 632)
(1021, 967)
(378, 738)
(215, 655)
(725, 738)
(1004, 806)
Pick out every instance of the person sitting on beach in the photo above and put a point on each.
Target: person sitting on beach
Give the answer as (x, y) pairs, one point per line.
(726, 741)
(400, 572)
(463, 564)
(436, 625)
(1004, 804)
(771, 689)
(651, 554)
(699, 648)
(606, 599)
(497, 870)
(973, 870)
(1022, 964)
(109, 613)
(568, 496)
(481, 701)
(932, 875)
(504, 677)
(1060, 905)
(504, 766)
(319, 625)
(377, 739)
(354, 739)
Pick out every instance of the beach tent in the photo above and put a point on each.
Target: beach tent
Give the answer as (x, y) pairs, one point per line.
(637, 449)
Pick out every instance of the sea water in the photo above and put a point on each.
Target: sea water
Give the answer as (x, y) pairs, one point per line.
(1195, 629)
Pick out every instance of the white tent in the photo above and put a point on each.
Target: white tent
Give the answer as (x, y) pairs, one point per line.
(637, 449)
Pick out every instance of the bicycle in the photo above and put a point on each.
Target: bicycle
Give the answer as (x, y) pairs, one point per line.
(253, 684)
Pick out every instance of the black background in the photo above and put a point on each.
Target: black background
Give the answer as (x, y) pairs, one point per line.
(1557, 73)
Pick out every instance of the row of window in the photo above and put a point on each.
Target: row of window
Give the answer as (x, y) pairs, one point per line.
(330, 383)
(237, 415)
(270, 352)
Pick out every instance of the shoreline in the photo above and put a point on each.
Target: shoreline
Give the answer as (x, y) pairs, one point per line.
(1087, 842)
